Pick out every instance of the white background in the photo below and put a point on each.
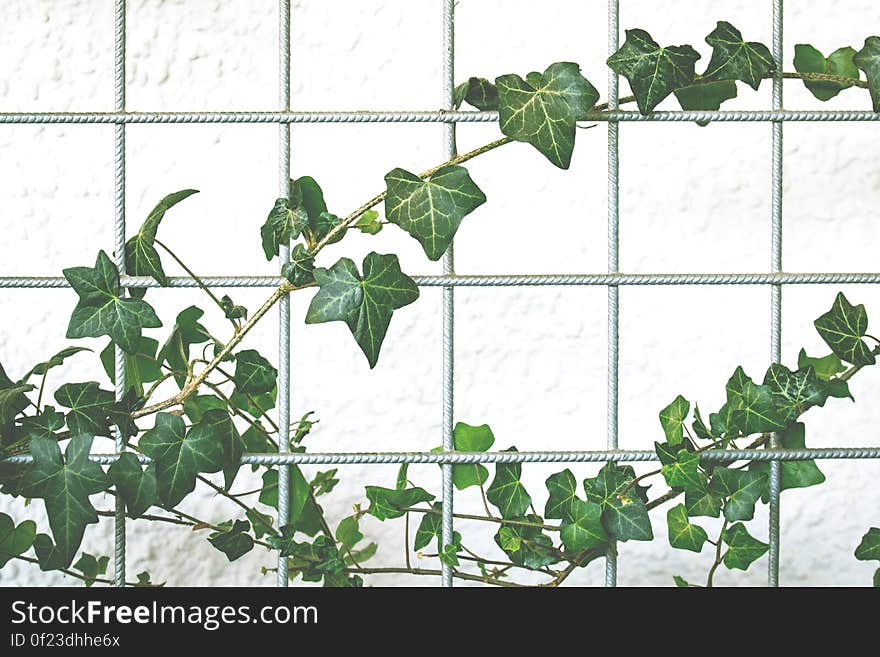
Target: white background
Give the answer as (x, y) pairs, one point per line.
(529, 362)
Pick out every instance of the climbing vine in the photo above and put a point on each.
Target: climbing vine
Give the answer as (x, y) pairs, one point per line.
(198, 402)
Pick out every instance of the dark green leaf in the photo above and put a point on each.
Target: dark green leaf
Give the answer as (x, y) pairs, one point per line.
(478, 92)
(672, 420)
(653, 72)
(751, 406)
(232, 311)
(50, 556)
(303, 428)
(562, 487)
(544, 110)
(740, 489)
(320, 222)
(527, 546)
(735, 59)
(808, 59)
(269, 493)
(402, 476)
(261, 523)
(187, 331)
(91, 567)
(869, 548)
(141, 367)
(57, 360)
(13, 402)
(180, 456)
(681, 582)
(135, 485)
(584, 528)
(467, 438)
(217, 426)
(795, 474)
(365, 303)
(825, 367)
(843, 328)
(387, 503)
(743, 548)
(196, 406)
(624, 514)
(324, 482)
(234, 541)
(299, 271)
(65, 485)
(429, 528)
(507, 492)
(685, 473)
(362, 555)
(102, 310)
(254, 405)
(682, 534)
(15, 541)
(88, 406)
(368, 223)
(151, 223)
(868, 59)
(706, 96)
(284, 223)
(702, 503)
(431, 210)
(253, 373)
(44, 425)
(794, 392)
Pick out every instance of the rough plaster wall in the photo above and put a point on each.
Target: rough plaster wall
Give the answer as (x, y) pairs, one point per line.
(530, 362)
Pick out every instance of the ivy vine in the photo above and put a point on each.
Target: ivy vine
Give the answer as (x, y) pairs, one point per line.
(223, 396)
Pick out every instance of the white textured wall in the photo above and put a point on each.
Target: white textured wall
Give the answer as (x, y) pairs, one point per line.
(530, 362)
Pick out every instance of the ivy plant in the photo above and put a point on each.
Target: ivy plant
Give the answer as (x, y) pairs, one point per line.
(197, 401)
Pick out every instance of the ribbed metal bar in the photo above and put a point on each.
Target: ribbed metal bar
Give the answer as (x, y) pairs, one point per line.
(776, 290)
(613, 258)
(428, 116)
(284, 303)
(448, 387)
(501, 280)
(119, 255)
(598, 456)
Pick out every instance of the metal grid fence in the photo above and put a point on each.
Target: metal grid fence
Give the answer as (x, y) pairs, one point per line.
(774, 278)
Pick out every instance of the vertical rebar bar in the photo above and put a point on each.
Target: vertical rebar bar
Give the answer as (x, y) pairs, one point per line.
(284, 304)
(776, 290)
(448, 292)
(613, 256)
(119, 255)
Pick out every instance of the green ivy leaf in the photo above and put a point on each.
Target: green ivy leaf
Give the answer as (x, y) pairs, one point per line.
(672, 420)
(527, 546)
(706, 96)
(234, 541)
(430, 528)
(402, 479)
(91, 567)
(187, 331)
(699, 426)
(65, 485)
(478, 92)
(843, 328)
(468, 438)
(702, 503)
(735, 59)
(347, 532)
(44, 425)
(231, 310)
(365, 303)
(88, 406)
(180, 456)
(684, 472)
(432, 209)
(320, 222)
(795, 474)
(388, 503)
(137, 487)
(584, 528)
(682, 534)
(102, 310)
(368, 223)
(543, 110)
(56, 361)
(13, 402)
(15, 541)
(151, 223)
(868, 59)
(301, 504)
(253, 373)
(751, 406)
(681, 582)
(254, 405)
(217, 426)
(284, 223)
(624, 515)
(869, 548)
(743, 548)
(653, 72)
(300, 270)
(825, 367)
(262, 523)
(562, 487)
(141, 367)
(740, 489)
(196, 406)
(507, 492)
(324, 482)
(794, 392)
(808, 59)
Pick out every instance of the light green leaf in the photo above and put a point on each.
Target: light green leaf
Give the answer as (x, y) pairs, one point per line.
(253, 373)
(365, 303)
(795, 474)
(234, 541)
(431, 210)
(562, 487)
(808, 59)
(672, 420)
(180, 456)
(65, 485)
(868, 59)
(544, 110)
(387, 503)
(681, 582)
(102, 310)
(368, 223)
(653, 72)
(478, 92)
(825, 367)
(136, 486)
(743, 548)
(624, 514)
(685, 472)
(869, 548)
(88, 406)
(15, 541)
(735, 59)
(91, 567)
(300, 270)
(347, 532)
(584, 528)
(324, 482)
(843, 328)
(682, 534)
(467, 438)
(740, 489)
(507, 492)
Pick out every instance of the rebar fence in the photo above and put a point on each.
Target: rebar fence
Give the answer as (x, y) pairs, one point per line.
(774, 278)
